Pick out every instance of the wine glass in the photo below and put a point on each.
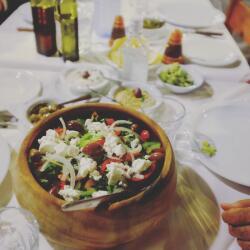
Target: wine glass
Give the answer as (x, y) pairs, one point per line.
(18, 229)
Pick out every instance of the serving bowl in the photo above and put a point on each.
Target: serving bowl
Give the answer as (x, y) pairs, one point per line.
(121, 221)
(150, 89)
(198, 80)
(156, 33)
(74, 81)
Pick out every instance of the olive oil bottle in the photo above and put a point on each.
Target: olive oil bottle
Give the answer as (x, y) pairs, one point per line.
(67, 29)
(44, 26)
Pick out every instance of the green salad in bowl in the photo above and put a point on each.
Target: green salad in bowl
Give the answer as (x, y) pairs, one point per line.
(179, 78)
(176, 75)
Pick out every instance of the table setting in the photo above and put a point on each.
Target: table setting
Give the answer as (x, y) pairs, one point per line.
(123, 125)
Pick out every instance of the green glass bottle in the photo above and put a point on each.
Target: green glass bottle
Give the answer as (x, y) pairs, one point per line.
(67, 43)
(44, 26)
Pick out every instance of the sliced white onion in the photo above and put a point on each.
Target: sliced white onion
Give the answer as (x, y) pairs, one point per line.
(118, 122)
(64, 127)
(68, 169)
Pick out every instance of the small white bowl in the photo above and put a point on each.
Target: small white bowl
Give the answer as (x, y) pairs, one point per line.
(23, 113)
(153, 91)
(157, 33)
(196, 76)
(72, 82)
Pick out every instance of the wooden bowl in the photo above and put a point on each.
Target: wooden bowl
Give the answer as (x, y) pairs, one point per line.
(89, 229)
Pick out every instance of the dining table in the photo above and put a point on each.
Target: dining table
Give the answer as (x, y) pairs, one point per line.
(195, 220)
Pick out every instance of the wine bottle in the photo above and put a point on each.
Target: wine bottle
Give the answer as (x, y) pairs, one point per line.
(44, 26)
(66, 15)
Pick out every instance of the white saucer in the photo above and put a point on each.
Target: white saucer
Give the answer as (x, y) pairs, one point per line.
(17, 87)
(191, 14)
(208, 51)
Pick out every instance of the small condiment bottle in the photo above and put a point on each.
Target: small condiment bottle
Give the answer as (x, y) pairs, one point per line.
(135, 54)
(173, 51)
(118, 30)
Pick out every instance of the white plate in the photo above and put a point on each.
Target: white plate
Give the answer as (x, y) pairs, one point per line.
(4, 158)
(228, 126)
(153, 91)
(17, 87)
(191, 14)
(196, 76)
(208, 51)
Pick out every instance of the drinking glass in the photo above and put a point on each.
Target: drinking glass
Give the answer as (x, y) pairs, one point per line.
(85, 17)
(19, 230)
(104, 16)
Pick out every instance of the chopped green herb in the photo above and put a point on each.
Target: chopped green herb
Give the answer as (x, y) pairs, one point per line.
(208, 149)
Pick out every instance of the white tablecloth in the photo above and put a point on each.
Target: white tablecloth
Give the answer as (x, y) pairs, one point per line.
(17, 51)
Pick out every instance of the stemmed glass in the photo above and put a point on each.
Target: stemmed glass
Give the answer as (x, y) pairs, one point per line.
(18, 229)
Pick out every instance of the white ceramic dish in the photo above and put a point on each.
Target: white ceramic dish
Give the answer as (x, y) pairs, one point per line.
(228, 126)
(158, 33)
(17, 87)
(191, 14)
(208, 51)
(23, 111)
(5, 158)
(72, 80)
(153, 91)
(196, 76)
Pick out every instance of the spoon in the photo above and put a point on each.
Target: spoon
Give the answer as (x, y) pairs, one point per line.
(107, 200)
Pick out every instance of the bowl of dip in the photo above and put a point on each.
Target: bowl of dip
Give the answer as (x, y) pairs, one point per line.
(139, 96)
(82, 80)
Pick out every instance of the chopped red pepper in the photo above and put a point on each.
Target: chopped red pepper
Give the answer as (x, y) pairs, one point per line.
(117, 132)
(101, 141)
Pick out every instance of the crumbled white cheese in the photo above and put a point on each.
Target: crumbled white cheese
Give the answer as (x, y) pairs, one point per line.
(72, 151)
(94, 127)
(95, 175)
(87, 165)
(51, 136)
(99, 193)
(116, 172)
(61, 149)
(48, 142)
(139, 176)
(135, 143)
(47, 147)
(139, 166)
(69, 194)
(74, 141)
(119, 150)
(113, 146)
